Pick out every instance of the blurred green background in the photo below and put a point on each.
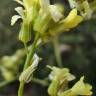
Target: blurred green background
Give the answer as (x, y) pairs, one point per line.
(78, 51)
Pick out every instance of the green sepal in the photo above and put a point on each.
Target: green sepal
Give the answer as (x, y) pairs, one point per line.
(54, 87)
(25, 32)
(32, 14)
(41, 22)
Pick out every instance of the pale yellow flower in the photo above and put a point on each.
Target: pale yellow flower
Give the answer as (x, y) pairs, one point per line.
(81, 88)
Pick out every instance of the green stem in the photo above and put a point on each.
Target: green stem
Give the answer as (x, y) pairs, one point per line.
(27, 63)
(39, 81)
(26, 48)
(57, 52)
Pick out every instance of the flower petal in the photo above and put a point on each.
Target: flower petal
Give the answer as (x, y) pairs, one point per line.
(15, 19)
(44, 5)
(81, 88)
(19, 1)
(20, 11)
(56, 15)
(73, 23)
(71, 16)
(73, 3)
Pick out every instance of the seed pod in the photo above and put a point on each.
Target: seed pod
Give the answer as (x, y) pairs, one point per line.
(25, 32)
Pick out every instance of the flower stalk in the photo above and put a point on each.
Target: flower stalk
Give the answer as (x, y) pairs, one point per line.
(57, 52)
(27, 63)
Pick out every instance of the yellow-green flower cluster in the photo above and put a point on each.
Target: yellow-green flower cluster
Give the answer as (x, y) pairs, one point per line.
(83, 7)
(60, 78)
(46, 19)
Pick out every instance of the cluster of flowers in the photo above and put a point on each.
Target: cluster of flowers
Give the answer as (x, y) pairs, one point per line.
(41, 17)
(60, 78)
(83, 6)
(49, 20)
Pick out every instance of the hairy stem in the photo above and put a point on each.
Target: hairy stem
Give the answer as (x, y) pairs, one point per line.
(27, 63)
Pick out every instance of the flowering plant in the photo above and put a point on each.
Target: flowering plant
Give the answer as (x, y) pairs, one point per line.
(45, 21)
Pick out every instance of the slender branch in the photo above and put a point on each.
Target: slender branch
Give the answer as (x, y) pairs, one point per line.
(57, 52)
(27, 63)
(39, 81)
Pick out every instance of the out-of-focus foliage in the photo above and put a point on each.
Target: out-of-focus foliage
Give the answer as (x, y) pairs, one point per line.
(78, 49)
(8, 35)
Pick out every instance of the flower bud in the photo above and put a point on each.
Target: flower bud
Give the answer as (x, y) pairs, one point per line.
(26, 76)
